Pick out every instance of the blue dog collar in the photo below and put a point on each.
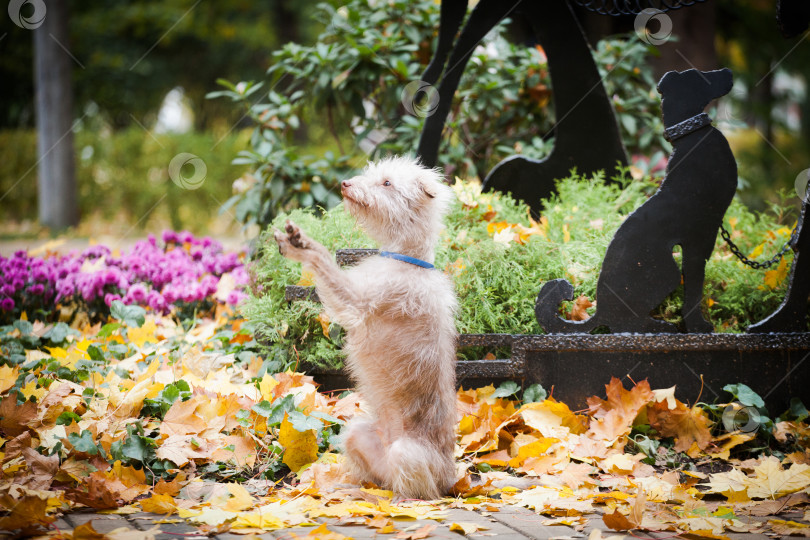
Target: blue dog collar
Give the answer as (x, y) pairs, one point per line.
(405, 258)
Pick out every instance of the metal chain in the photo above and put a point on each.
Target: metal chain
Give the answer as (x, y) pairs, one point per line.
(756, 264)
(633, 7)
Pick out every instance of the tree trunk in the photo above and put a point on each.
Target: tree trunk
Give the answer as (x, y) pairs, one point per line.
(695, 28)
(57, 198)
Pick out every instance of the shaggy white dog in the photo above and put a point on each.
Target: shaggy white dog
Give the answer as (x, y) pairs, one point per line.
(398, 313)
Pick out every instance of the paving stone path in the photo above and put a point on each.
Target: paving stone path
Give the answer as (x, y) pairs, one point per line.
(509, 523)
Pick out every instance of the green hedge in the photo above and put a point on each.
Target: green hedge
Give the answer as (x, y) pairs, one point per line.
(125, 175)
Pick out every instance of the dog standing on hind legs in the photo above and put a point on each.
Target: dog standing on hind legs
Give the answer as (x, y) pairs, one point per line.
(398, 313)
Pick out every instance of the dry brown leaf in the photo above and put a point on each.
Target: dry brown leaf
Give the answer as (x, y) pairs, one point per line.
(617, 521)
(418, 534)
(41, 469)
(686, 425)
(15, 446)
(102, 492)
(790, 528)
(772, 508)
(25, 512)
(578, 309)
(15, 419)
(170, 488)
(182, 418)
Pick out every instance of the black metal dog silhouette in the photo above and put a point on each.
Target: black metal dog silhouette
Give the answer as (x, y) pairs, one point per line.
(639, 271)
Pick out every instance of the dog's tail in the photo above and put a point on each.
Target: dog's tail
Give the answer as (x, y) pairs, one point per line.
(418, 470)
(545, 309)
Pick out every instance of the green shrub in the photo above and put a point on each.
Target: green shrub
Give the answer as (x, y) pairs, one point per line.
(497, 278)
(124, 175)
(350, 84)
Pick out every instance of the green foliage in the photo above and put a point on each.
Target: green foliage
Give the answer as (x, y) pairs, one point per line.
(506, 389)
(744, 395)
(534, 394)
(129, 315)
(122, 176)
(353, 82)
(497, 282)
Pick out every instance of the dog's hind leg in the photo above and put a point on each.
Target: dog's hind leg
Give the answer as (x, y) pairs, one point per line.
(364, 451)
(694, 274)
(417, 471)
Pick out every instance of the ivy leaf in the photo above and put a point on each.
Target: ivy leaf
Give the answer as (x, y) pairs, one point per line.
(302, 422)
(108, 329)
(263, 408)
(280, 408)
(136, 448)
(67, 418)
(129, 315)
(57, 334)
(798, 410)
(534, 393)
(83, 443)
(744, 395)
(95, 354)
(506, 389)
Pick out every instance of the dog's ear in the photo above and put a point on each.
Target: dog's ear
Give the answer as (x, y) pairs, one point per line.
(429, 182)
(666, 81)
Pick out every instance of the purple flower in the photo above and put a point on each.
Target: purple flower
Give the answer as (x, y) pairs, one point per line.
(154, 274)
(138, 293)
(234, 297)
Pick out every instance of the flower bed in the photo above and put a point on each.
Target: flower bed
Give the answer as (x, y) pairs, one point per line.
(182, 272)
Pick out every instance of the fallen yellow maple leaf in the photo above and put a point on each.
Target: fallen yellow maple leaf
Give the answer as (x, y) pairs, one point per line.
(159, 504)
(322, 533)
(466, 528)
(266, 386)
(300, 449)
(771, 481)
(774, 278)
(8, 376)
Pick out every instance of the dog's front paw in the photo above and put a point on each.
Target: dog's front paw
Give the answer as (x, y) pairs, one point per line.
(293, 243)
(296, 237)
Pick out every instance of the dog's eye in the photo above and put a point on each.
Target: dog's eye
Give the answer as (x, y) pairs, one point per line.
(387, 183)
